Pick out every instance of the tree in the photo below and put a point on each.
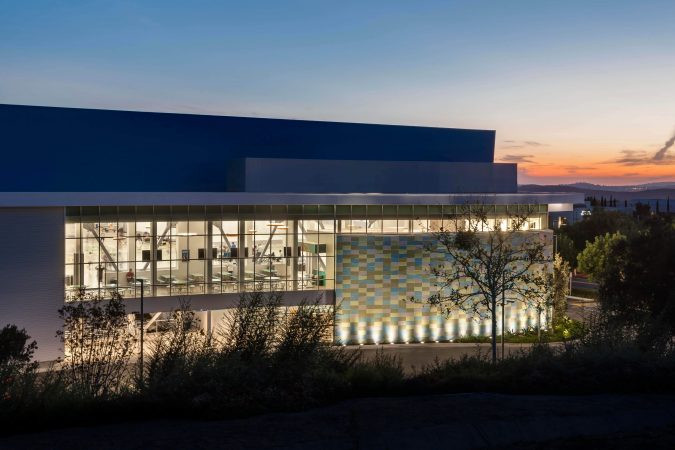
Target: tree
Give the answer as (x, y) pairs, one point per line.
(565, 247)
(593, 260)
(642, 211)
(560, 287)
(485, 258)
(98, 344)
(15, 347)
(546, 290)
(597, 224)
(16, 353)
(636, 285)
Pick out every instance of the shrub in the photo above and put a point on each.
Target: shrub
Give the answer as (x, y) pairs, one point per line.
(98, 345)
(263, 360)
(381, 375)
(279, 361)
(636, 287)
(14, 346)
(252, 328)
(16, 369)
(177, 351)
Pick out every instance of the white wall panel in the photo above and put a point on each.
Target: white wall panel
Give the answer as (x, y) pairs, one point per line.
(32, 273)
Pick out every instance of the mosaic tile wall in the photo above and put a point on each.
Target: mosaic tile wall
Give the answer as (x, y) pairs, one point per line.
(376, 274)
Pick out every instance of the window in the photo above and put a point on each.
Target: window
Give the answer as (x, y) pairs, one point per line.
(181, 250)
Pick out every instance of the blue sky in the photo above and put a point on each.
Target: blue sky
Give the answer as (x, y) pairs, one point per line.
(570, 87)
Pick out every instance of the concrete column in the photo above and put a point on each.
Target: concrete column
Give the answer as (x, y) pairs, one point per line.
(208, 276)
(153, 258)
(294, 253)
(241, 267)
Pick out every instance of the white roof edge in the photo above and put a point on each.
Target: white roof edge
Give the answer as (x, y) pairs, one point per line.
(61, 199)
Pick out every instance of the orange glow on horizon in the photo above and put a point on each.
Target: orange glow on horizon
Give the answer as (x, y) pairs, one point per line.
(552, 165)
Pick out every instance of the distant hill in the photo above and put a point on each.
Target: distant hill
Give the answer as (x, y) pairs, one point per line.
(655, 192)
(626, 188)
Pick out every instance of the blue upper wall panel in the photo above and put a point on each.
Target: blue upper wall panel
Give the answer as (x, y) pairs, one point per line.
(84, 150)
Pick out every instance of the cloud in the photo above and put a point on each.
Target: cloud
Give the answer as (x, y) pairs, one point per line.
(630, 174)
(518, 158)
(572, 170)
(641, 158)
(510, 143)
(661, 153)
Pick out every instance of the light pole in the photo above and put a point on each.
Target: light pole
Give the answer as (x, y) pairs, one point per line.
(142, 327)
(503, 305)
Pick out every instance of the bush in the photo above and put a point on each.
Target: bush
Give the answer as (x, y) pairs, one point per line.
(564, 329)
(251, 329)
(263, 360)
(636, 286)
(380, 375)
(276, 360)
(98, 345)
(14, 346)
(578, 368)
(177, 352)
(16, 369)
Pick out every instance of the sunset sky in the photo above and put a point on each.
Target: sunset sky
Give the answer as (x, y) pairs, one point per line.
(577, 91)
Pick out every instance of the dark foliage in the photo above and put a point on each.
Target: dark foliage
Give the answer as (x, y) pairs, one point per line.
(98, 345)
(637, 286)
(15, 347)
(586, 230)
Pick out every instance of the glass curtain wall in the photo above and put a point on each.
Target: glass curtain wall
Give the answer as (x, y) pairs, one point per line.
(191, 250)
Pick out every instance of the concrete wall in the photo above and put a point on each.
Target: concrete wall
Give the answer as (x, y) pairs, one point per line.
(31, 264)
(352, 176)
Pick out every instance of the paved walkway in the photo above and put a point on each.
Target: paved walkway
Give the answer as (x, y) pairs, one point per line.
(458, 421)
(580, 309)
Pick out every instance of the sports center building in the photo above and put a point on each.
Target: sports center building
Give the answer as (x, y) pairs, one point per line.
(207, 207)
